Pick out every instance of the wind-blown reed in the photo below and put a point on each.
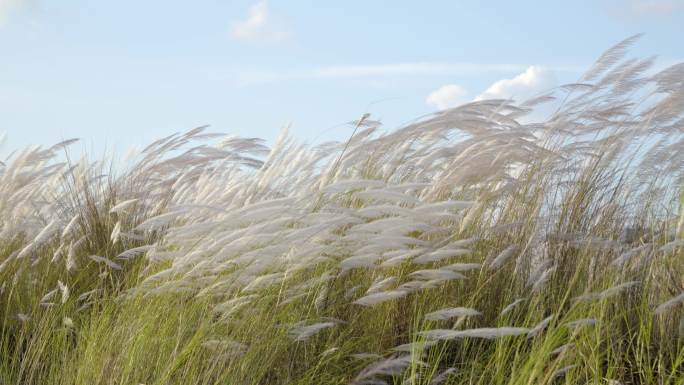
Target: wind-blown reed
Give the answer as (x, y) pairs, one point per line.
(487, 243)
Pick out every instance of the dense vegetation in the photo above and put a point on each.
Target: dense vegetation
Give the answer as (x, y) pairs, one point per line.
(493, 243)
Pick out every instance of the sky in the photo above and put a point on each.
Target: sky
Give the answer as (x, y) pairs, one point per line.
(122, 73)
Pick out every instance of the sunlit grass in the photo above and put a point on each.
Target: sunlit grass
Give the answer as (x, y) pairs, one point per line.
(467, 248)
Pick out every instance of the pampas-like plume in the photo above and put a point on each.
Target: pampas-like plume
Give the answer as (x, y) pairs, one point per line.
(86, 295)
(669, 304)
(504, 256)
(70, 263)
(360, 261)
(130, 253)
(123, 206)
(540, 326)
(628, 255)
(581, 322)
(381, 284)
(70, 226)
(609, 58)
(58, 253)
(562, 349)
(383, 296)
(440, 378)
(672, 246)
(486, 333)
(443, 206)
(510, 306)
(48, 296)
(106, 261)
(38, 241)
(610, 292)
(448, 313)
(381, 210)
(542, 279)
(386, 195)
(229, 307)
(158, 221)
(461, 267)
(439, 255)
(562, 371)
(392, 366)
(400, 256)
(365, 356)
(349, 185)
(436, 274)
(414, 346)
(116, 231)
(264, 281)
(225, 348)
(302, 333)
(65, 291)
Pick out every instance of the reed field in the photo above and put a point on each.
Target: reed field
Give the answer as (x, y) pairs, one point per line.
(498, 242)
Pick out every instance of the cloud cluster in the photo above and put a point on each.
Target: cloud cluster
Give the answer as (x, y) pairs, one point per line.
(259, 27)
(448, 96)
(636, 10)
(655, 7)
(533, 81)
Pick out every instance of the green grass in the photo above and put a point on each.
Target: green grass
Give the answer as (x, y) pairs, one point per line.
(129, 338)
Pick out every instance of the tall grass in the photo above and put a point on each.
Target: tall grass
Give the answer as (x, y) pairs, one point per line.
(483, 244)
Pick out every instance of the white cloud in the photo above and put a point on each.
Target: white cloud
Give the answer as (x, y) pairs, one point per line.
(447, 96)
(376, 70)
(633, 10)
(259, 26)
(7, 7)
(530, 83)
(655, 7)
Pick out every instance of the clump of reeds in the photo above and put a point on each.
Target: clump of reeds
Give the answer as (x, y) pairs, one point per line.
(482, 244)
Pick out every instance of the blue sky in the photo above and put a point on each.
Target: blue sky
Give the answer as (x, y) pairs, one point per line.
(122, 73)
